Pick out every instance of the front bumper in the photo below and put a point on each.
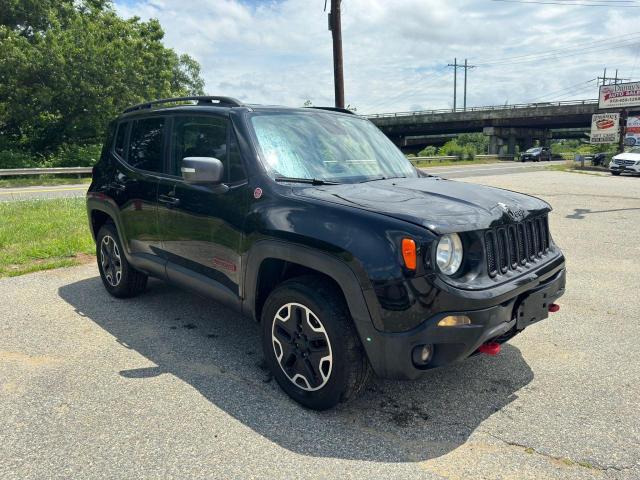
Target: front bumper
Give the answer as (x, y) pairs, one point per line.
(392, 357)
(624, 168)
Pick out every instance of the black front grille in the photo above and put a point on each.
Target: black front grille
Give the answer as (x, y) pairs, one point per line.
(513, 246)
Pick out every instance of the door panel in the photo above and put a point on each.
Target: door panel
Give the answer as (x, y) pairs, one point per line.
(140, 144)
(201, 227)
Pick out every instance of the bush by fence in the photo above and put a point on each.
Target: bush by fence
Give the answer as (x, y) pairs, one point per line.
(65, 156)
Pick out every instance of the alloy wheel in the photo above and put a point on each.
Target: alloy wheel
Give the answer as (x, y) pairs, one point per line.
(110, 260)
(302, 346)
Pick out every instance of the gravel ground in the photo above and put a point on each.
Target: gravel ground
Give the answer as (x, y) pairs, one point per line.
(170, 385)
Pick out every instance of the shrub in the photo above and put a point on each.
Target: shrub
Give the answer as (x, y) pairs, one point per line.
(74, 156)
(429, 151)
(17, 159)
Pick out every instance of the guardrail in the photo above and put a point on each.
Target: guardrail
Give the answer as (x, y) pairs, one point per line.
(486, 108)
(454, 158)
(10, 172)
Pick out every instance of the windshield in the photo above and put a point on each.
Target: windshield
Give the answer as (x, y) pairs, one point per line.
(533, 150)
(635, 150)
(328, 147)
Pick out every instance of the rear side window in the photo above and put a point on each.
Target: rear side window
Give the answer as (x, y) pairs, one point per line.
(121, 137)
(146, 144)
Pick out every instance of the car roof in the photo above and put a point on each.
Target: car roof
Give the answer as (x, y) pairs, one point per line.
(214, 105)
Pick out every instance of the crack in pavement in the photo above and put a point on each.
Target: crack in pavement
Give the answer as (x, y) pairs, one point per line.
(569, 462)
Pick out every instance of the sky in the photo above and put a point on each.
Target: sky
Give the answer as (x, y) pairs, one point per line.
(396, 52)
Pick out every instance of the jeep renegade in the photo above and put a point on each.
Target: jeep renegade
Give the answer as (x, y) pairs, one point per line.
(313, 223)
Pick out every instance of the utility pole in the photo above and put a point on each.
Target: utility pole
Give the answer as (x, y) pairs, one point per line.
(623, 124)
(456, 66)
(466, 67)
(615, 79)
(335, 25)
(455, 80)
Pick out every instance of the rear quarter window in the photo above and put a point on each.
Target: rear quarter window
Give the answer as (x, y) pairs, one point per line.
(120, 139)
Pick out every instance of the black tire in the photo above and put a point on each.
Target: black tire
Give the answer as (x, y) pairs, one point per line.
(615, 173)
(348, 371)
(119, 278)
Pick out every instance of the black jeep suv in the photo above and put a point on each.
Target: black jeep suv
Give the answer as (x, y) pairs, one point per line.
(313, 223)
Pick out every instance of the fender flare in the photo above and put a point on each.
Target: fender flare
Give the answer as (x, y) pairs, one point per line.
(104, 205)
(339, 271)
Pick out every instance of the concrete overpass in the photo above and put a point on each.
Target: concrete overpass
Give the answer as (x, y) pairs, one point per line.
(506, 125)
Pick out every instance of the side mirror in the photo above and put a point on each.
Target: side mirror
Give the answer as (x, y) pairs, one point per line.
(202, 170)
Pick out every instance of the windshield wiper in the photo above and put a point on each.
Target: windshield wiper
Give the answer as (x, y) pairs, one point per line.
(311, 181)
(379, 178)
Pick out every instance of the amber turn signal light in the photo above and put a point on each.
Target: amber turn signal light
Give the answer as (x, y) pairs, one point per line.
(409, 253)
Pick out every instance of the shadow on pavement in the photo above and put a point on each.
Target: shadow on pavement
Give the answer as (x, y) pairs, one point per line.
(218, 353)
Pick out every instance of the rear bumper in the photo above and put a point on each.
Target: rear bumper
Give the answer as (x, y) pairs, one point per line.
(391, 355)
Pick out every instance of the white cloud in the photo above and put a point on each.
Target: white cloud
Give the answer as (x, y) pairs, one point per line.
(395, 52)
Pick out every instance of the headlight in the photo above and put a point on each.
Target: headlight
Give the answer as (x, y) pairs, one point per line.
(449, 253)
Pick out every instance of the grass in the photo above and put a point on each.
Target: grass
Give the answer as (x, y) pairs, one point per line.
(38, 180)
(447, 163)
(573, 167)
(43, 234)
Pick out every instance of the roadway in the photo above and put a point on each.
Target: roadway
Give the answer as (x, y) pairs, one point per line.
(463, 171)
(171, 385)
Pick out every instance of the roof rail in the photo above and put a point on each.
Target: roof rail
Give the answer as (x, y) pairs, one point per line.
(201, 100)
(334, 109)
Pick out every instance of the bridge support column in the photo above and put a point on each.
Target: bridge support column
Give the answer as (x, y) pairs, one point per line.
(503, 140)
(495, 143)
(511, 146)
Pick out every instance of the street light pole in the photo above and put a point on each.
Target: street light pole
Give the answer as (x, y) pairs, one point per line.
(335, 25)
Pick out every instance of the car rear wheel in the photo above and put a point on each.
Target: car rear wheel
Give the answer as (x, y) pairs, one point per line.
(118, 276)
(311, 345)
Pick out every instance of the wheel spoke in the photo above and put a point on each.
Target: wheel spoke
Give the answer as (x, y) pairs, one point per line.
(302, 346)
(111, 261)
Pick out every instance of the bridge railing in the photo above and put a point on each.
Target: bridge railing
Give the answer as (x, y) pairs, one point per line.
(486, 108)
(13, 172)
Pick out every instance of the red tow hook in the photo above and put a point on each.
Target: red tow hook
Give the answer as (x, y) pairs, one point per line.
(554, 307)
(491, 348)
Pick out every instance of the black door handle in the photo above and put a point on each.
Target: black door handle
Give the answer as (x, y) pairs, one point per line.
(169, 201)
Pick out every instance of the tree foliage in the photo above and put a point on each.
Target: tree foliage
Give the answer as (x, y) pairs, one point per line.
(465, 146)
(67, 67)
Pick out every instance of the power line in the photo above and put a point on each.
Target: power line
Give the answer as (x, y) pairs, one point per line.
(562, 52)
(539, 2)
(596, 43)
(561, 91)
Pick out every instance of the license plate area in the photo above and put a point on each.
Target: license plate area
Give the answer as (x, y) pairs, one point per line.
(534, 307)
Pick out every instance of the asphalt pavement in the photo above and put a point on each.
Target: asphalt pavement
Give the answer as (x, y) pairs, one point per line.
(171, 385)
(63, 191)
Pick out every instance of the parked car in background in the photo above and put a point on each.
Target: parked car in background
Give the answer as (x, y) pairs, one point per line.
(628, 162)
(536, 154)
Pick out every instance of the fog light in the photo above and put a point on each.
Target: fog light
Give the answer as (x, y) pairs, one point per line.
(454, 321)
(422, 355)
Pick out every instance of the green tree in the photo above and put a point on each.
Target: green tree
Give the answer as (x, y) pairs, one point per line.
(68, 67)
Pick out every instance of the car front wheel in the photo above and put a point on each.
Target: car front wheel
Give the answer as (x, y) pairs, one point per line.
(311, 345)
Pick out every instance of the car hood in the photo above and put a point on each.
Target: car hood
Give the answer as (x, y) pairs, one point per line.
(627, 156)
(442, 206)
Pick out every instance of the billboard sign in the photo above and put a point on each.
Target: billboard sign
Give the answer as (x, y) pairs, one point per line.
(622, 95)
(605, 128)
(632, 136)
